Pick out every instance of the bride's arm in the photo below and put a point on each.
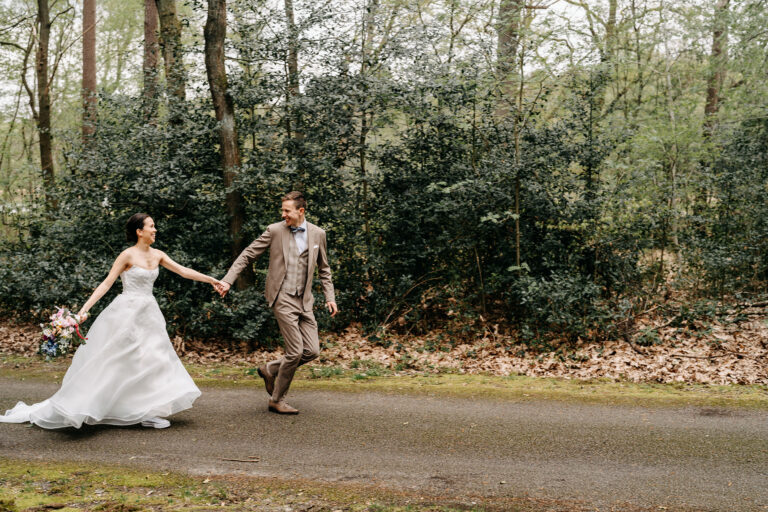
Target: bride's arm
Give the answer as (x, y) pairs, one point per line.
(185, 272)
(117, 267)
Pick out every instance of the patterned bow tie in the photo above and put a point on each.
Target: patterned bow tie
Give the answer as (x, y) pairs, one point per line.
(297, 230)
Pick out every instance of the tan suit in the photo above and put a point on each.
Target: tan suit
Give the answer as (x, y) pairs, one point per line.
(293, 311)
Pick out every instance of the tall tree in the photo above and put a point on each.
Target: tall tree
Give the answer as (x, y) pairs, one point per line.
(717, 64)
(170, 42)
(604, 35)
(514, 19)
(89, 68)
(44, 99)
(508, 65)
(718, 60)
(151, 50)
(215, 33)
(508, 39)
(292, 61)
(370, 62)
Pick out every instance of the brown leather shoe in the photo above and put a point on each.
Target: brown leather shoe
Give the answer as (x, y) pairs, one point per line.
(269, 380)
(282, 408)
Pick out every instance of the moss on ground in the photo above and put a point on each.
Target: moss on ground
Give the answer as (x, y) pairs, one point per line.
(523, 388)
(28, 486)
(367, 377)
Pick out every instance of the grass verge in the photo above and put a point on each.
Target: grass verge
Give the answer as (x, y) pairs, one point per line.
(37, 486)
(367, 376)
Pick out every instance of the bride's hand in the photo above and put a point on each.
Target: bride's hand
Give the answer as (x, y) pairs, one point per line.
(221, 288)
(81, 316)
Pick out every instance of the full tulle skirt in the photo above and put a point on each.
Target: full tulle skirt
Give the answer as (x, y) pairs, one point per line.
(126, 372)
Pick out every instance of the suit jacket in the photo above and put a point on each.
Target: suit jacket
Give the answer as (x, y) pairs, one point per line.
(276, 239)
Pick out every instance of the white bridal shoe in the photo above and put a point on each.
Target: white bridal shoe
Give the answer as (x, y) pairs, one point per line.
(156, 423)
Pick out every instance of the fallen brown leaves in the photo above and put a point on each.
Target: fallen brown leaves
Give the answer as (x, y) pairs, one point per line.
(18, 338)
(718, 353)
(738, 357)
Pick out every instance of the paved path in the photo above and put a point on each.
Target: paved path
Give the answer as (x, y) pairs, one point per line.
(705, 459)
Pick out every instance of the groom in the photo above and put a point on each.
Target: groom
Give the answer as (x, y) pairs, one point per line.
(295, 248)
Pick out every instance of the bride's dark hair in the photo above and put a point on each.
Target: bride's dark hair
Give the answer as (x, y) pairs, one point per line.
(135, 222)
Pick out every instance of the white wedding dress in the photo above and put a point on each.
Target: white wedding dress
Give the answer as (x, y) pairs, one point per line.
(127, 372)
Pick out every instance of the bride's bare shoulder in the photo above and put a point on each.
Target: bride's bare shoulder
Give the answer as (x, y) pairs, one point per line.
(125, 258)
(157, 254)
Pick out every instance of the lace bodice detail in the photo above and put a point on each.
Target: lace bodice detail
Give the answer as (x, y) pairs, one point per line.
(139, 280)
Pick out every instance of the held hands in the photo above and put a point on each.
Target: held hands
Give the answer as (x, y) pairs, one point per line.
(221, 287)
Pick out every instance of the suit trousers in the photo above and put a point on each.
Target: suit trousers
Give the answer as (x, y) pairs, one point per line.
(302, 345)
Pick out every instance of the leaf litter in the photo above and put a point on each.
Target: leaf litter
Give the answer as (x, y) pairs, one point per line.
(731, 350)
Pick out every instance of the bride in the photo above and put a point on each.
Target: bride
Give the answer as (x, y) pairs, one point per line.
(127, 372)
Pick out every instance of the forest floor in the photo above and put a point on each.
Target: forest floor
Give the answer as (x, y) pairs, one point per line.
(723, 347)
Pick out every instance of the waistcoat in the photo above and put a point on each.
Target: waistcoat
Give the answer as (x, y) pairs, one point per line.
(296, 269)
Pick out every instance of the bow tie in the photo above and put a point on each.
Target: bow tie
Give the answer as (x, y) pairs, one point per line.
(297, 230)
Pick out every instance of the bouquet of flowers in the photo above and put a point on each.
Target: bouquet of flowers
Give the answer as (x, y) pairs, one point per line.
(62, 334)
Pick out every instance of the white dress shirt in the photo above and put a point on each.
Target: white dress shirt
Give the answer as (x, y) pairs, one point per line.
(301, 238)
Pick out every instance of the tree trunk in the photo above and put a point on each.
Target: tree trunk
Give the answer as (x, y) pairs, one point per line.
(610, 32)
(5, 151)
(89, 69)
(509, 103)
(507, 49)
(719, 58)
(215, 33)
(369, 28)
(638, 57)
(170, 42)
(673, 158)
(151, 50)
(292, 61)
(608, 65)
(366, 117)
(44, 100)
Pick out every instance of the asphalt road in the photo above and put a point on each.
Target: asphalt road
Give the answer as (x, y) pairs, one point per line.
(705, 459)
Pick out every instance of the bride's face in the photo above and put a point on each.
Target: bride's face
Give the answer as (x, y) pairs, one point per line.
(148, 232)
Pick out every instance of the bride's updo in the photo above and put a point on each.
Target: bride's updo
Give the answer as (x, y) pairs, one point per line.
(135, 222)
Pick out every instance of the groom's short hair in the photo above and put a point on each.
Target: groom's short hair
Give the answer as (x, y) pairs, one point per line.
(297, 198)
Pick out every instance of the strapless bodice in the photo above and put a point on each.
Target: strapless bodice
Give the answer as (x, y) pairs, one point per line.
(138, 280)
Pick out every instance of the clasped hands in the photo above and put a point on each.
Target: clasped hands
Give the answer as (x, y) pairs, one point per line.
(222, 288)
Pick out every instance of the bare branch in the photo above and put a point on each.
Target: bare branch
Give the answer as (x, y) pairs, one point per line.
(16, 24)
(14, 45)
(24, 66)
(11, 127)
(61, 52)
(387, 33)
(424, 24)
(65, 11)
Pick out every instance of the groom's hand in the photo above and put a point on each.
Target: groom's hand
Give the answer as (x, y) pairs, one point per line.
(333, 308)
(222, 288)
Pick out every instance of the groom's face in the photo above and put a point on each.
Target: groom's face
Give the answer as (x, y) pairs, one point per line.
(291, 215)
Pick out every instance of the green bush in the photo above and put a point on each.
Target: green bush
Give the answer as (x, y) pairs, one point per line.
(426, 234)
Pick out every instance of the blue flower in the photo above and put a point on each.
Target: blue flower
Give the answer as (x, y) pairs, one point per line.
(50, 348)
